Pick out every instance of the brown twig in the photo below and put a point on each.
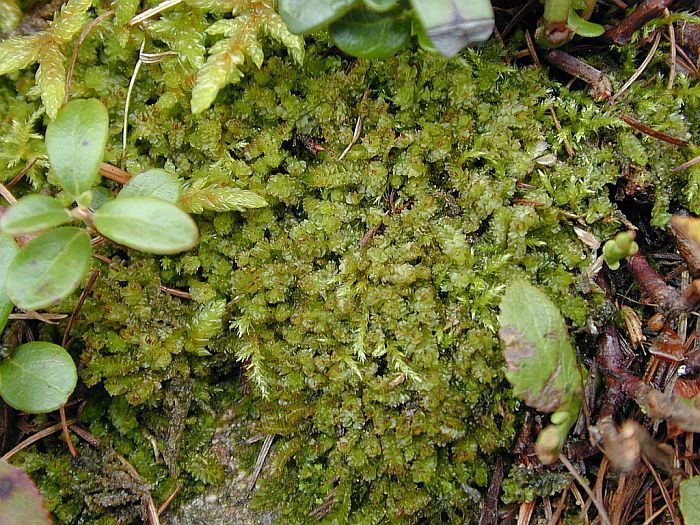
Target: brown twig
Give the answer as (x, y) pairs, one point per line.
(66, 433)
(489, 513)
(650, 282)
(622, 33)
(7, 195)
(169, 500)
(660, 135)
(113, 173)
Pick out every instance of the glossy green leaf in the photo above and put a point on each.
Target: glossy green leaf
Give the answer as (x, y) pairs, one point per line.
(303, 16)
(541, 362)
(452, 25)
(583, 27)
(153, 183)
(380, 5)
(8, 250)
(147, 224)
(368, 34)
(33, 213)
(690, 500)
(48, 268)
(20, 500)
(38, 377)
(75, 143)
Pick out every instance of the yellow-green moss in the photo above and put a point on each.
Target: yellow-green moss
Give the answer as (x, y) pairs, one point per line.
(372, 357)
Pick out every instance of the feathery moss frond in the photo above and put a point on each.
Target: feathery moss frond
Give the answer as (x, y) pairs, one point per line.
(241, 39)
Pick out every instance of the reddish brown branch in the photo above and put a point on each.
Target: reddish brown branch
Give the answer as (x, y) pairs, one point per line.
(651, 283)
(622, 33)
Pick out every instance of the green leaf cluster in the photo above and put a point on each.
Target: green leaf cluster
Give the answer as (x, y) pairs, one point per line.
(376, 29)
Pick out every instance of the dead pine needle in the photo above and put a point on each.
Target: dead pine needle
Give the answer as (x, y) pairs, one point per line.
(78, 306)
(689, 164)
(667, 497)
(7, 195)
(584, 485)
(557, 125)
(36, 437)
(264, 452)
(169, 500)
(66, 433)
(76, 50)
(639, 71)
(153, 11)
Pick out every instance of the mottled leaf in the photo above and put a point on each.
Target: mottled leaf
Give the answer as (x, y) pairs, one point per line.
(38, 377)
(75, 143)
(33, 213)
(20, 500)
(153, 183)
(541, 363)
(8, 249)
(367, 34)
(48, 268)
(690, 500)
(453, 24)
(218, 198)
(147, 224)
(304, 16)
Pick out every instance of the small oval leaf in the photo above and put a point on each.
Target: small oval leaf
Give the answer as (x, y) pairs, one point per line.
(38, 377)
(20, 500)
(454, 24)
(153, 183)
(303, 16)
(367, 34)
(75, 143)
(8, 249)
(33, 213)
(48, 268)
(147, 224)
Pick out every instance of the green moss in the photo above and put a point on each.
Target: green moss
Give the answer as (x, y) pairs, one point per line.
(361, 304)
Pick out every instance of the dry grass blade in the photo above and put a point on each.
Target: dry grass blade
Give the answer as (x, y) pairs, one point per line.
(598, 504)
(153, 11)
(639, 71)
(264, 452)
(664, 492)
